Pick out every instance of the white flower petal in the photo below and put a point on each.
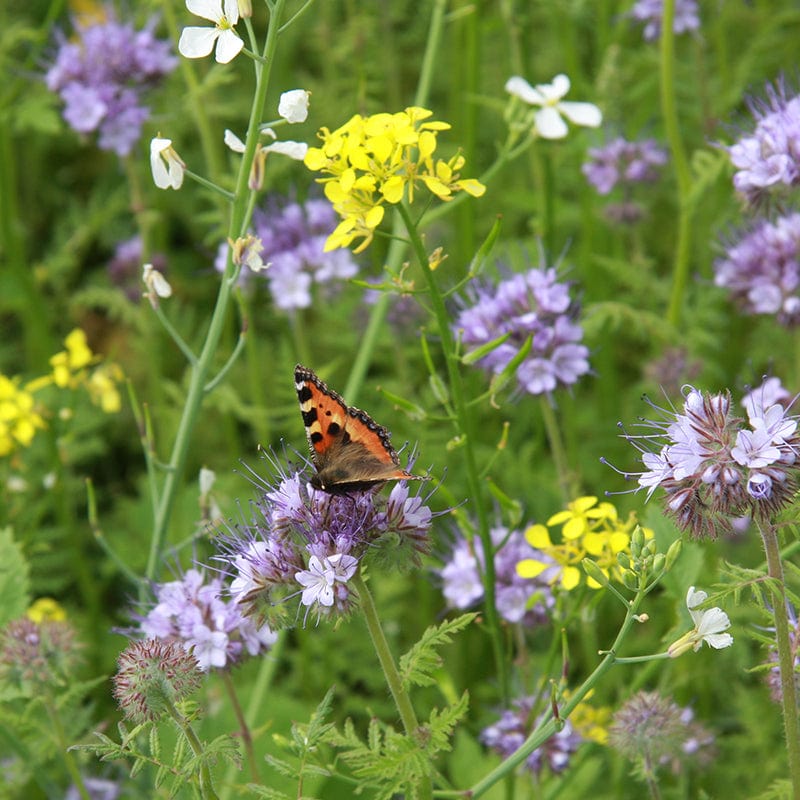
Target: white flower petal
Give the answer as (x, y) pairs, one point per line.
(519, 87)
(558, 88)
(714, 621)
(719, 640)
(197, 42)
(295, 150)
(231, 8)
(549, 123)
(233, 141)
(293, 105)
(229, 45)
(695, 597)
(586, 114)
(268, 132)
(207, 9)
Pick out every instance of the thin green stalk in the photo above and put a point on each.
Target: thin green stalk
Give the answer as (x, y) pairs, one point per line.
(465, 426)
(785, 655)
(206, 784)
(680, 271)
(244, 728)
(266, 672)
(395, 683)
(566, 478)
(548, 729)
(200, 371)
(396, 249)
(63, 746)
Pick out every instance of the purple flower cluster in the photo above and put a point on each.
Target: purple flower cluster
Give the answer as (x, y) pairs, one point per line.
(191, 611)
(293, 237)
(101, 76)
(306, 542)
(533, 305)
(714, 466)
(623, 162)
(516, 724)
(518, 599)
(650, 12)
(762, 270)
(653, 730)
(770, 156)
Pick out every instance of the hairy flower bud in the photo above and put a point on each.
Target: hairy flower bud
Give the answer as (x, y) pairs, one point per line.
(152, 675)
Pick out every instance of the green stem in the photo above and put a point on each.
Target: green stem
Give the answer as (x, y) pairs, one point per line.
(395, 683)
(551, 726)
(396, 248)
(465, 426)
(680, 272)
(206, 784)
(266, 672)
(244, 728)
(63, 746)
(785, 655)
(200, 371)
(566, 479)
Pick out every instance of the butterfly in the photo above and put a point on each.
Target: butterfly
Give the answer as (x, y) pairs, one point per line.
(349, 449)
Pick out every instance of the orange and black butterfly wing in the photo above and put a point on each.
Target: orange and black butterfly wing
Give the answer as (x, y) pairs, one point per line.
(349, 449)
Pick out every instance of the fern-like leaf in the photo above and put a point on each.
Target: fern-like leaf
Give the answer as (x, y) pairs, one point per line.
(418, 664)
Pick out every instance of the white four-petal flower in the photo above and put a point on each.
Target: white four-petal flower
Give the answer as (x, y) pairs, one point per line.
(197, 42)
(166, 165)
(709, 626)
(549, 124)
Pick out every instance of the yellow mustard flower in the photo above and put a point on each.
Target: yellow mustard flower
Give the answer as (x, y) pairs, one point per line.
(567, 557)
(19, 419)
(590, 722)
(69, 364)
(580, 515)
(371, 161)
(45, 609)
(588, 529)
(102, 387)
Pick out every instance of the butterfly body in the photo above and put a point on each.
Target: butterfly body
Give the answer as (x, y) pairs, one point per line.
(349, 449)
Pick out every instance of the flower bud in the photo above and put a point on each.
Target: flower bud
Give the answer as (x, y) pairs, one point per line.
(152, 675)
(673, 553)
(594, 572)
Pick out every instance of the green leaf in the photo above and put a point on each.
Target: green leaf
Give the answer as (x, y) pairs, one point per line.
(422, 659)
(14, 579)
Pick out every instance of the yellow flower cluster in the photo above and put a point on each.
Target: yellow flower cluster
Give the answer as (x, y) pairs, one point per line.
(19, 419)
(380, 159)
(20, 415)
(588, 530)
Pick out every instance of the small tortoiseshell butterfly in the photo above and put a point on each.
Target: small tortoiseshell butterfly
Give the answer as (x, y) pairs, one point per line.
(349, 449)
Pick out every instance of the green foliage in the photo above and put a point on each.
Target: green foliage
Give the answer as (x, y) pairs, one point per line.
(418, 664)
(14, 578)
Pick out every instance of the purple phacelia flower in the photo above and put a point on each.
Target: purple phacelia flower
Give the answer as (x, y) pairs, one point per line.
(654, 731)
(515, 725)
(293, 237)
(762, 270)
(715, 466)
(101, 76)
(623, 163)
(194, 612)
(305, 543)
(518, 599)
(650, 12)
(533, 305)
(769, 157)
